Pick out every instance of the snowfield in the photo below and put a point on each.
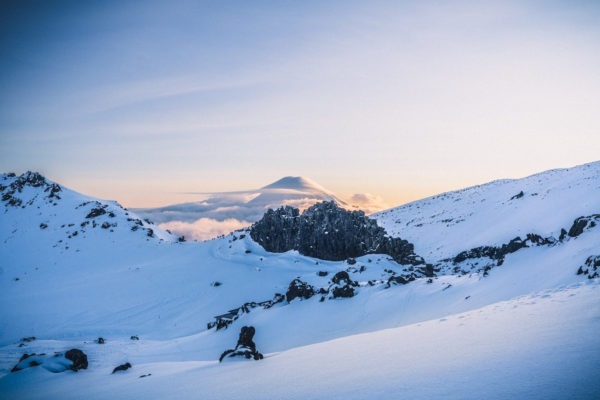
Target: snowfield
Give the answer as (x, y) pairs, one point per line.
(525, 327)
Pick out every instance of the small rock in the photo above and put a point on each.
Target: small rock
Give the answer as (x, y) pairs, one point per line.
(122, 367)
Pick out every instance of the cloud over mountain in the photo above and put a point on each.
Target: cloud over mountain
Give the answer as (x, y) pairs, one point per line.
(221, 213)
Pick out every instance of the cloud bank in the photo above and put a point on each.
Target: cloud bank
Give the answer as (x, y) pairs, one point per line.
(204, 228)
(222, 213)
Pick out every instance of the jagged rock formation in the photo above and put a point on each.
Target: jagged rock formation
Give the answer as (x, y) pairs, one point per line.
(498, 253)
(329, 232)
(10, 192)
(245, 346)
(582, 223)
(299, 289)
(79, 359)
(591, 267)
(342, 286)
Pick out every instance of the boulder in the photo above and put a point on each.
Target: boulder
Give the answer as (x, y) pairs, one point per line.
(245, 346)
(299, 289)
(79, 359)
(122, 367)
(343, 291)
(329, 232)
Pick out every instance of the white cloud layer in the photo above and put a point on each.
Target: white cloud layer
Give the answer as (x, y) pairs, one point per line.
(204, 228)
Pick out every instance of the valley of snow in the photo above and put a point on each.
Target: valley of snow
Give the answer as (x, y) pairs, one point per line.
(525, 327)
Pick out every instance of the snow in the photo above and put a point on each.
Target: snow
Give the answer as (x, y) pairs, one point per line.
(527, 330)
(443, 225)
(542, 346)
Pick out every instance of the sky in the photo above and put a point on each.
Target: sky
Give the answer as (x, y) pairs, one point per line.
(145, 102)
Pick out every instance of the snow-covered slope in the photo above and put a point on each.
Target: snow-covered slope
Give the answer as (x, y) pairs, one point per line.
(474, 334)
(65, 219)
(494, 213)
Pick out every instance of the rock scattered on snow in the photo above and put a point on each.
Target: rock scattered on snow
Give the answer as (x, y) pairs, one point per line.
(245, 346)
(591, 267)
(79, 359)
(122, 367)
(299, 289)
(73, 359)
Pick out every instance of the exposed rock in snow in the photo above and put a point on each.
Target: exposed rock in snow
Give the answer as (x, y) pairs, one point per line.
(245, 346)
(122, 367)
(299, 289)
(73, 360)
(328, 232)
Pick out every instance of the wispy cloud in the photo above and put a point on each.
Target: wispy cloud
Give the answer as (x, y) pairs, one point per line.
(368, 202)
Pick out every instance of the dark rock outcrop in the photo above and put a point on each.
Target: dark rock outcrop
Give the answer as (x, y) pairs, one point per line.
(498, 253)
(224, 320)
(299, 289)
(96, 212)
(342, 291)
(245, 346)
(591, 267)
(518, 195)
(28, 179)
(122, 367)
(583, 222)
(343, 286)
(329, 232)
(400, 280)
(342, 277)
(79, 359)
(277, 231)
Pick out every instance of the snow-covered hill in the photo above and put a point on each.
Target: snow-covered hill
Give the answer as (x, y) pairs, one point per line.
(224, 212)
(494, 213)
(475, 327)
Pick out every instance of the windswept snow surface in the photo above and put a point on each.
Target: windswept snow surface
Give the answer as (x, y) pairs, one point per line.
(540, 346)
(525, 330)
(494, 213)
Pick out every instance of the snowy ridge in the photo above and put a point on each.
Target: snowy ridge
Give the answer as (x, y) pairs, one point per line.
(32, 204)
(526, 312)
(494, 213)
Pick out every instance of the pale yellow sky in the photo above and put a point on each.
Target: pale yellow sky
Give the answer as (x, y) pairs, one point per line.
(398, 99)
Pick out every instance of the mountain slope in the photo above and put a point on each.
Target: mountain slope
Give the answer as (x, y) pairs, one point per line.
(124, 283)
(494, 213)
(529, 347)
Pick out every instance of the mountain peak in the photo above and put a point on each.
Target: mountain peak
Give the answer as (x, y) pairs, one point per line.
(296, 183)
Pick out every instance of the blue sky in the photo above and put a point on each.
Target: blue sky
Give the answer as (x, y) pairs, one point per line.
(142, 101)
